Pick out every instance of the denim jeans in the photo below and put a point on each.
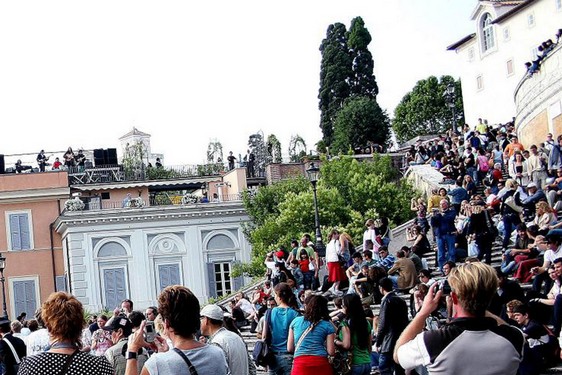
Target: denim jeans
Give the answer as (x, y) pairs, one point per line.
(282, 365)
(510, 222)
(445, 249)
(387, 366)
(364, 369)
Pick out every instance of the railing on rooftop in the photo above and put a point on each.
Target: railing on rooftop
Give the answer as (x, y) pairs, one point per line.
(96, 203)
(118, 173)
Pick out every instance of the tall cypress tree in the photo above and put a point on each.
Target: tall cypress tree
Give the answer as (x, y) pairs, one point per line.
(362, 82)
(347, 72)
(335, 72)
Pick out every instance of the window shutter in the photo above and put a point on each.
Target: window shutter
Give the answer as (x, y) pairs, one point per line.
(31, 302)
(24, 297)
(25, 233)
(164, 274)
(169, 275)
(60, 283)
(175, 274)
(19, 297)
(237, 282)
(15, 232)
(211, 280)
(115, 288)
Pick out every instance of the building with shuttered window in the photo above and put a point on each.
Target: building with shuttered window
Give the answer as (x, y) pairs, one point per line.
(111, 249)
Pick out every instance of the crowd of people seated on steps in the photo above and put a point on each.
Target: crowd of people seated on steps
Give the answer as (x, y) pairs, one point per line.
(517, 213)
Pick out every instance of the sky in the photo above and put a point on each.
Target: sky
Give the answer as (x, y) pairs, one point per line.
(82, 74)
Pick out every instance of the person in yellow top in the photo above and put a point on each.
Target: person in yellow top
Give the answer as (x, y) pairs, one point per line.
(481, 128)
(433, 201)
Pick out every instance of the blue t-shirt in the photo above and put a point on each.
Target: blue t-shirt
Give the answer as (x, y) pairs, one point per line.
(281, 317)
(314, 342)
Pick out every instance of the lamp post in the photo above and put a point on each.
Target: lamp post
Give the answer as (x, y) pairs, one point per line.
(450, 99)
(3, 279)
(313, 173)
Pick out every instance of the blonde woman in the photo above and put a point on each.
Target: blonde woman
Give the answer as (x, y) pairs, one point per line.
(544, 217)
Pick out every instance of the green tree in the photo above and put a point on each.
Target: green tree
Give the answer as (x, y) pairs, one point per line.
(335, 71)
(347, 73)
(349, 192)
(362, 82)
(360, 122)
(424, 110)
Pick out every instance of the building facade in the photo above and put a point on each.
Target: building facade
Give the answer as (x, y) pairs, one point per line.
(105, 240)
(29, 205)
(492, 59)
(134, 253)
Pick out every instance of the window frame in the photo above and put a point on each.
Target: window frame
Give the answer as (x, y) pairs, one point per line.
(7, 216)
(487, 33)
(479, 82)
(531, 20)
(509, 64)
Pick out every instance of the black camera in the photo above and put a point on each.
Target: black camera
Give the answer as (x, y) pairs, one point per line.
(444, 286)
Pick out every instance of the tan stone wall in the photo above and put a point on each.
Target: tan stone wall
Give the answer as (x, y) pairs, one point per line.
(534, 132)
(557, 126)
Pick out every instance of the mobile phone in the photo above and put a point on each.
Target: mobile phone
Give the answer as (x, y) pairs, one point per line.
(149, 332)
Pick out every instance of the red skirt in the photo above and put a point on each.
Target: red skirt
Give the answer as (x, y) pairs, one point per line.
(311, 365)
(335, 272)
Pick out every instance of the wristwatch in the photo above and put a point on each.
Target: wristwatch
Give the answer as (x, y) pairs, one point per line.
(131, 355)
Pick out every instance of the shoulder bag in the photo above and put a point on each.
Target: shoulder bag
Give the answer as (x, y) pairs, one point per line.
(192, 370)
(306, 332)
(262, 354)
(342, 359)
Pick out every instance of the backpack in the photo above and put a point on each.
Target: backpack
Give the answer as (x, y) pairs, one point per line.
(483, 165)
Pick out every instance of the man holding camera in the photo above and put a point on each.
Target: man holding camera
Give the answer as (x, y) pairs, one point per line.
(475, 342)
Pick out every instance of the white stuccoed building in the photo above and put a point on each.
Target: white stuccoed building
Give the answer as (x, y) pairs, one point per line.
(492, 60)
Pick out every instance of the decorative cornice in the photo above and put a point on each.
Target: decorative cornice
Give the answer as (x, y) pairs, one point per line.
(146, 214)
(18, 196)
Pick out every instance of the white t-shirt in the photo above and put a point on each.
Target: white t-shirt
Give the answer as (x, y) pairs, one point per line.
(550, 255)
(37, 342)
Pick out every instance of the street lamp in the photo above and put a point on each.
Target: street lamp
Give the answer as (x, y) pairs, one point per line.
(3, 279)
(450, 99)
(313, 173)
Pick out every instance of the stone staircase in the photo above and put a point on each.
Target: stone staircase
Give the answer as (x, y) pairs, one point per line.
(250, 338)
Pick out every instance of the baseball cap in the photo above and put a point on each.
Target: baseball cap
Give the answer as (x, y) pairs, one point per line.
(531, 185)
(119, 322)
(280, 254)
(212, 312)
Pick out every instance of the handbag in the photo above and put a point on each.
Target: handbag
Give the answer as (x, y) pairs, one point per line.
(491, 227)
(262, 354)
(341, 360)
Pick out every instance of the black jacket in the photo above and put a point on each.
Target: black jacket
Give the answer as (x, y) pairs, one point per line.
(393, 318)
(6, 355)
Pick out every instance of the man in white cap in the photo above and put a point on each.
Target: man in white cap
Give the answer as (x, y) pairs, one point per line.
(232, 344)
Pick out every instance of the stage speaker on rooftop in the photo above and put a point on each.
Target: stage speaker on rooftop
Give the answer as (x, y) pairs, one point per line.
(2, 165)
(111, 156)
(99, 159)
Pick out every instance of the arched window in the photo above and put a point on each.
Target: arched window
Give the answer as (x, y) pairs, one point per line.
(219, 242)
(488, 41)
(111, 249)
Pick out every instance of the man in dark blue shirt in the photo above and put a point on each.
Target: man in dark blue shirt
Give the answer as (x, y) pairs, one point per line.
(443, 224)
